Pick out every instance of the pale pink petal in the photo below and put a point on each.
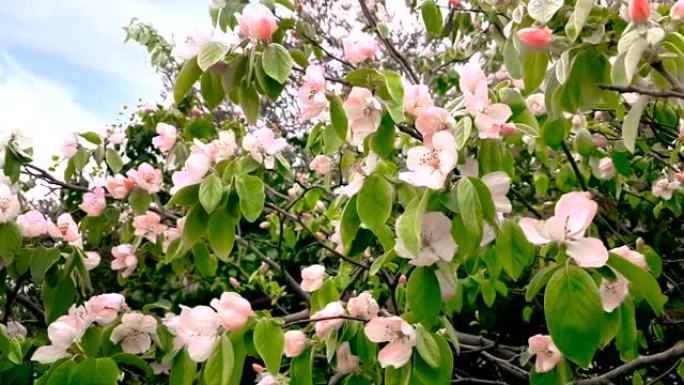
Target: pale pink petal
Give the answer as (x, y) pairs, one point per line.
(588, 252)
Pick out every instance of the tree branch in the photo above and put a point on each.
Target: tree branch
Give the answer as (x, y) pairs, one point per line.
(655, 93)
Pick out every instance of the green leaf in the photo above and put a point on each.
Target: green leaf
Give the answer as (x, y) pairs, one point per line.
(626, 338)
(249, 101)
(59, 374)
(423, 295)
(269, 342)
(409, 223)
(513, 251)
(250, 189)
(432, 17)
(543, 10)
(139, 200)
(188, 75)
(374, 202)
(210, 192)
(427, 347)
(195, 225)
(470, 208)
(91, 137)
(486, 201)
(641, 283)
(183, 369)
(57, 299)
(219, 366)
(205, 263)
(573, 313)
(350, 223)
(211, 89)
(10, 240)
(383, 139)
(440, 375)
(96, 371)
(187, 196)
(539, 280)
(401, 376)
(323, 296)
(338, 118)
(630, 126)
(221, 232)
(395, 88)
(301, 368)
(211, 53)
(331, 141)
(133, 361)
(633, 57)
(10, 348)
(578, 18)
(534, 69)
(113, 160)
(277, 62)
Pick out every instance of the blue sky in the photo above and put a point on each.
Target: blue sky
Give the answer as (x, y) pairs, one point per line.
(64, 66)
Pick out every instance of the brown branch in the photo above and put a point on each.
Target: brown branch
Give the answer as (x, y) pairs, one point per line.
(655, 93)
(328, 53)
(674, 352)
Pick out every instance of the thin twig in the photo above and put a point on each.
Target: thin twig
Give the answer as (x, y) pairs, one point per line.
(655, 93)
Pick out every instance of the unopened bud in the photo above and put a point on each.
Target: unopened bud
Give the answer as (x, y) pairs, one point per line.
(640, 242)
(577, 121)
(508, 129)
(320, 206)
(402, 279)
(600, 140)
(257, 368)
(600, 116)
(264, 267)
(264, 225)
(320, 236)
(234, 282)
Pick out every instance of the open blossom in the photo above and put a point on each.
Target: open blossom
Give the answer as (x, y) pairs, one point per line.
(69, 146)
(114, 137)
(639, 11)
(535, 103)
(606, 168)
(429, 167)
(257, 22)
(677, 10)
(104, 308)
(119, 186)
(489, 118)
(470, 77)
(663, 188)
(364, 112)
(267, 379)
(166, 137)
(333, 309)
(312, 278)
(346, 361)
(359, 46)
(124, 259)
(633, 256)
(94, 202)
(432, 120)
(263, 146)
(232, 309)
(32, 224)
(295, 343)
(548, 355)
(572, 217)
(534, 38)
(9, 204)
(321, 164)
(358, 174)
(92, 259)
(400, 335)
(147, 177)
(135, 333)
(416, 97)
(499, 183)
(63, 332)
(14, 329)
(195, 328)
(148, 225)
(436, 242)
(363, 306)
(612, 293)
(65, 229)
(188, 47)
(311, 94)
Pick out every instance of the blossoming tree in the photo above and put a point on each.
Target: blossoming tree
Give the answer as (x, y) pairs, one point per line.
(366, 192)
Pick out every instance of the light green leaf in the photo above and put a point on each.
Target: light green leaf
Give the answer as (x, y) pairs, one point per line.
(211, 53)
(633, 57)
(641, 283)
(250, 189)
(427, 347)
(195, 225)
(630, 126)
(543, 10)
(301, 368)
(350, 222)
(269, 342)
(221, 232)
(219, 366)
(470, 208)
(96, 371)
(188, 75)
(513, 251)
(183, 369)
(277, 62)
(374, 202)
(578, 18)
(338, 118)
(249, 101)
(113, 160)
(432, 17)
(423, 295)
(210, 192)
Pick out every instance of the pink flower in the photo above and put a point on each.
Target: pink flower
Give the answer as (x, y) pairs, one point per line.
(119, 186)
(359, 46)
(471, 77)
(190, 46)
(499, 183)
(257, 22)
(65, 229)
(124, 259)
(333, 309)
(69, 146)
(432, 120)
(92, 259)
(295, 343)
(170, 235)
(613, 292)
(363, 306)
(573, 215)
(234, 282)
(447, 285)
(63, 332)
(536, 39)
(677, 10)
(233, 310)
(416, 97)
(633, 256)
(94, 202)
(263, 146)
(267, 379)
(14, 329)
(664, 189)
(9, 204)
(116, 137)
(606, 168)
(312, 278)
(548, 355)
(400, 335)
(536, 104)
(364, 112)
(135, 333)
(489, 118)
(32, 224)
(312, 93)
(346, 361)
(148, 225)
(429, 167)
(639, 11)
(147, 177)
(166, 137)
(104, 308)
(358, 174)
(197, 329)
(321, 164)
(436, 242)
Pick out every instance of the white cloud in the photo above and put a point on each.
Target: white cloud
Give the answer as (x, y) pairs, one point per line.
(40, 109)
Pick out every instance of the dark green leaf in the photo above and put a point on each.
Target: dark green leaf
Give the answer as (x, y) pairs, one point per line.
(188, 75)
(277, 62)
(252, 196)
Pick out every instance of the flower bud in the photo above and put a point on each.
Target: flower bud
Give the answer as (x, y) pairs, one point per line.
(234, 282)
(264, 225)
(639, 11)
(402, 279)
(508, 129)
(536, 39)
(257, 368)
(677, 10)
